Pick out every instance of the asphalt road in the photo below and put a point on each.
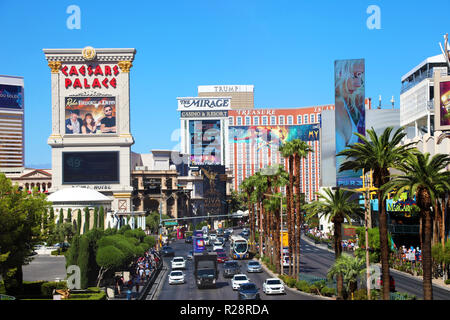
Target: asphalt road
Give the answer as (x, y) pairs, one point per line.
(189, 290)
(45, 267)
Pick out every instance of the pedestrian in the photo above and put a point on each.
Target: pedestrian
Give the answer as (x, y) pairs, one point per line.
(147, 273)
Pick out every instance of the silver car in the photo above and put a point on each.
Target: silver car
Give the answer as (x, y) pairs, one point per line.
(254, 266)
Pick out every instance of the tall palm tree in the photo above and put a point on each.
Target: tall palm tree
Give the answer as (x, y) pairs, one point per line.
(287, 151)
(248, 186)
(425, 178)
(272, 205)
(335, 207)
(301, 150)
(378, 154)
(260, 184)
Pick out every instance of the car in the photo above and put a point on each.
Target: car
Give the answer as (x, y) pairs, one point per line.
(188, 239)
(273, 285)
(248, 291)
(212, 237)
(230, 268)
(239, 279)
(167, 251)
(221, 257)
(286, 261)
(217, 246)
(221, 240)
(176, 277)
(226, 237)
(178, 263)
(254, 266)
(190, 255)
(245, 232)
(391, 283)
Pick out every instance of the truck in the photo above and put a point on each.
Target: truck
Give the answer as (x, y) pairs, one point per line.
(205, 269)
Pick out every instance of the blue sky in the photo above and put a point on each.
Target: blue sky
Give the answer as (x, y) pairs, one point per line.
(285, 48)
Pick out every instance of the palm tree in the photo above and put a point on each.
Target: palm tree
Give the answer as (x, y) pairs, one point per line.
(248, 186)
(301, 150)
(425, 178)
(287, 151)
(272, 205)
(378, 154)
(350, 269)
(336, 207)
(260, 187)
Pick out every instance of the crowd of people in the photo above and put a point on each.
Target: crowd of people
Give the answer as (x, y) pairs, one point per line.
(140, 271)
(410, 254)
(317, 233)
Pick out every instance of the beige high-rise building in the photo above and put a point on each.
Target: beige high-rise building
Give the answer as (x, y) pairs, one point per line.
(242, 96)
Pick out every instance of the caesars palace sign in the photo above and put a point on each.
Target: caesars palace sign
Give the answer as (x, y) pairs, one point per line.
(99, 76)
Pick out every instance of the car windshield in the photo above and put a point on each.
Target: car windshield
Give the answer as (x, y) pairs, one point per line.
(273, 282)
(206, 272)
(239, 278)
(176, 273)
(231, 265)
(178, 260)
(240, 247)
(253, 263)
(248, 287)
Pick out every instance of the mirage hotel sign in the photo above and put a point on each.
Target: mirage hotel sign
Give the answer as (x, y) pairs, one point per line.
(204, 103)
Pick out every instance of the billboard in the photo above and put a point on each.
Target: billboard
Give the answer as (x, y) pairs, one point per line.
(205, 142)
(11, 97)
(349, 81)
(90, 167)
(273, 136)
(214, 189)
(441, 102)
(90, 115)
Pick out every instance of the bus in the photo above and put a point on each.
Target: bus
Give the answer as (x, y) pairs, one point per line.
(198, 241)
(238, 247)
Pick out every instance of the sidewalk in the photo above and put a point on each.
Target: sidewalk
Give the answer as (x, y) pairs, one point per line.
(436, 282)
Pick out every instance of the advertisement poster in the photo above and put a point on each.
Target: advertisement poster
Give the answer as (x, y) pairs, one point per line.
(91, 167)
(444, 101)
(205, 142)
(349, 77)
(273, 136)
(90, 115)
(11, 97)
(214, 189)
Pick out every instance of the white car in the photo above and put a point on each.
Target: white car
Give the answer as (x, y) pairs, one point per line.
(178, 263)
(273, 285)
(176, 277)
(212, 237)
(217, 245)
(239, 279)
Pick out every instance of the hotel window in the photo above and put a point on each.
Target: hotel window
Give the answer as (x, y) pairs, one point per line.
(247, 121)
(306, 118)
(273, 120)
(239, 121)
(312, 118)
(290, 120)
(299, 119)
(319, 117)
(264, 121)
(230, 120)
(281, 120)
(256, 121)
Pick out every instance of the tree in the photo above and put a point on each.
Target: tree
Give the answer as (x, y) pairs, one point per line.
(425, 178)
(69, 215)
(301, 150)
(96, 217)
(21, 217)
(378, 154)
(350, 269)
(87, 218)
(101, 218)
(247, 186)
(79, 221)
(61, 216)
(108, 257)
(336, 207)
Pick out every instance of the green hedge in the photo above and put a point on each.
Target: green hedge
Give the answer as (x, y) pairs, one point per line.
(48, 287)
(88, 296)
(447, 281)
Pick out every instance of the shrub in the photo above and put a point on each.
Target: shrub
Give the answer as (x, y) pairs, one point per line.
(302, 285)
(290, 282)
(447, 281)
(32, 287)
(327, 291)
(48, 287)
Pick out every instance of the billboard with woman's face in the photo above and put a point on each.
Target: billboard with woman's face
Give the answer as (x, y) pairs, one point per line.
(444, 103)
(90, 115)
(350, 113)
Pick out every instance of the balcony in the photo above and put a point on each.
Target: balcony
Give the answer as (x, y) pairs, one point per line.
(403, 229)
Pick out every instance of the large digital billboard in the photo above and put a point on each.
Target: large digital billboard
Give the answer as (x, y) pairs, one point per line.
(11, 97)
(90, 115)
(273, 136)
(442, 101)
(90, 167)
(214, 189)
(350, 113)
(205, 142)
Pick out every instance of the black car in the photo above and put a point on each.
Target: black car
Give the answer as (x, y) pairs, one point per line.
(188, 239)
(167, 251)
(245, 233)
(248, 291)
(230, 268)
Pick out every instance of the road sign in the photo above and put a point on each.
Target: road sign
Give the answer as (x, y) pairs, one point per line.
(170, 223)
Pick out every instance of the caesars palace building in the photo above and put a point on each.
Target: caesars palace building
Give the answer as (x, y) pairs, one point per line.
(90, 137)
